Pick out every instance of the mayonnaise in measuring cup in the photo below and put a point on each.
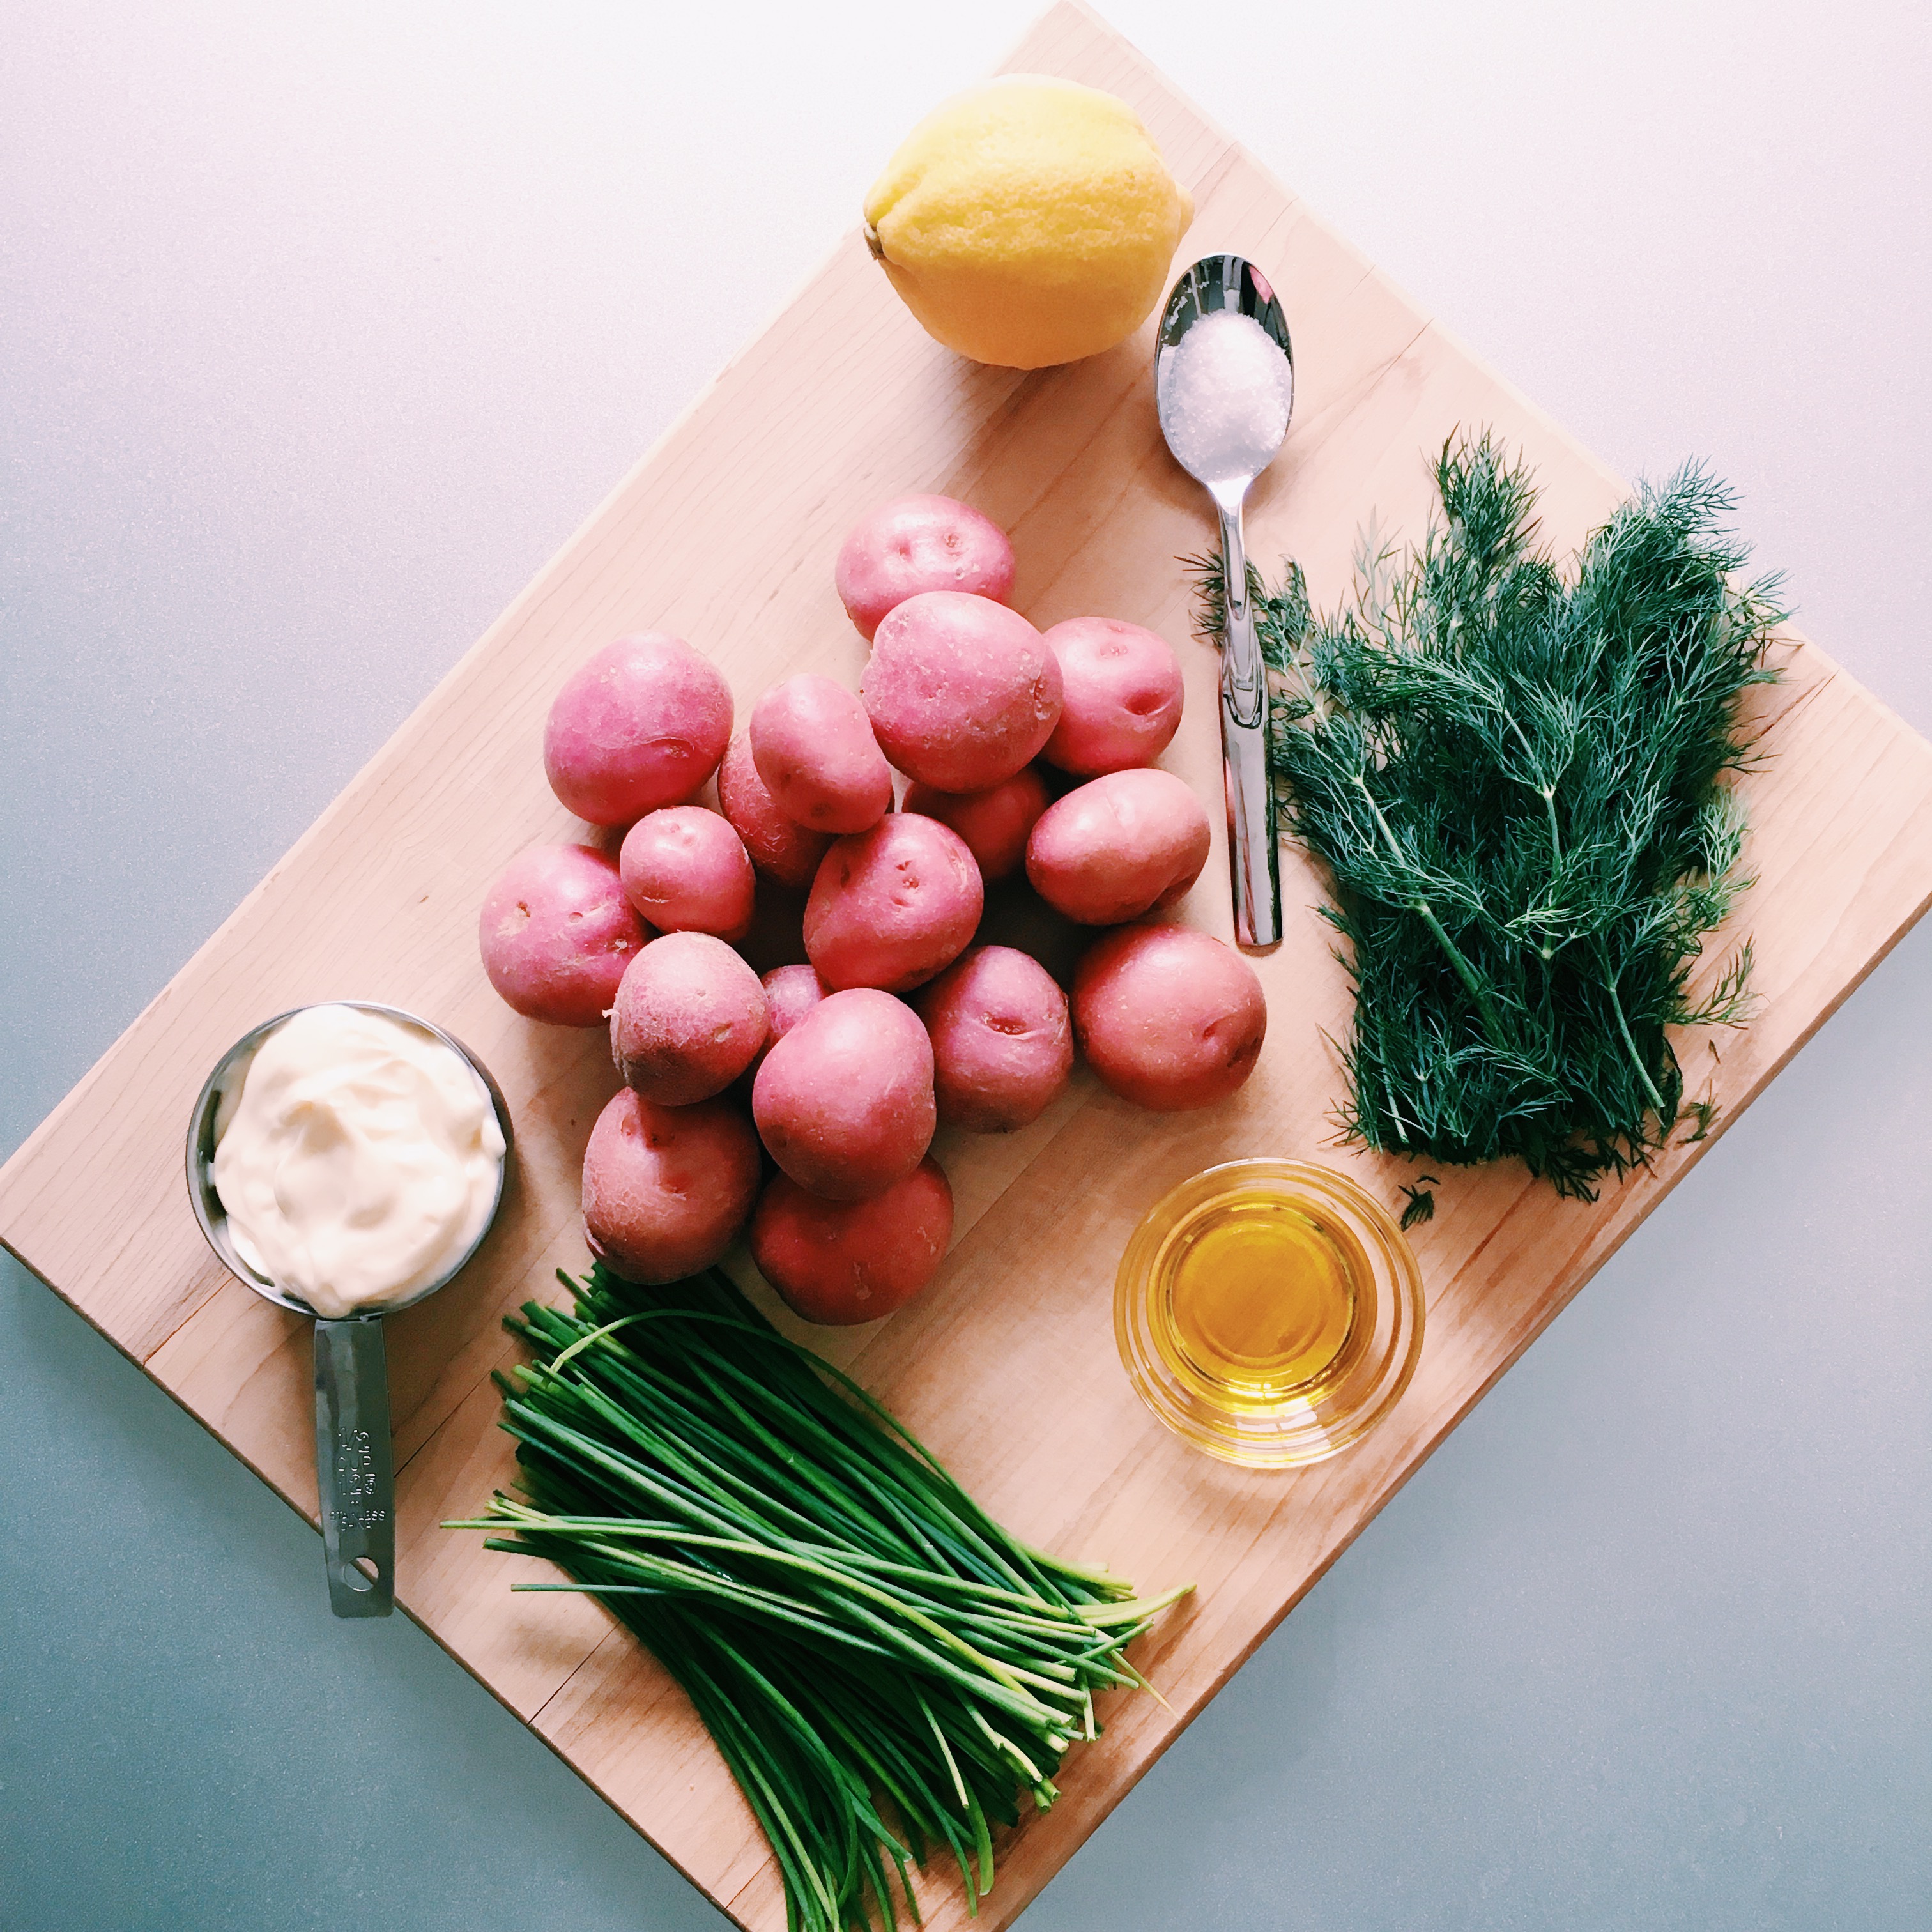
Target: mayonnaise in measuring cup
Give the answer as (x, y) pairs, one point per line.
(359, 1161)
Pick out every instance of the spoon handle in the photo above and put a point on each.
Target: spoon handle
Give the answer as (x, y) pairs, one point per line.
(1253, 856)
(355, 1481)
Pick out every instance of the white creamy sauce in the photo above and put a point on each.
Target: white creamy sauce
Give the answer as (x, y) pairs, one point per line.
(359, 1160)
(1225, 395)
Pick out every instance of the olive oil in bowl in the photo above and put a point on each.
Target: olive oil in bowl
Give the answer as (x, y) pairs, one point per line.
(1269, 1311)
(1261, 1299)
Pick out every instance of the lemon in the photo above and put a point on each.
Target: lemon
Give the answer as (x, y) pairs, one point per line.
(1028, 221)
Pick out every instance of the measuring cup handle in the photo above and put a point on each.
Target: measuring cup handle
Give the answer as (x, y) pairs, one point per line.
(355, 1480)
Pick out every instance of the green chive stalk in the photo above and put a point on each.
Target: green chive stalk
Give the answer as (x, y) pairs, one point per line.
(885, 1670)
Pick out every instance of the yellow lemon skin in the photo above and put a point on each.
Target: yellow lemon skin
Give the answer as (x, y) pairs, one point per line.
(1028, 221)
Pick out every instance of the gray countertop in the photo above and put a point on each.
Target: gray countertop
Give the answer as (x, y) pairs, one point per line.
(320, 329)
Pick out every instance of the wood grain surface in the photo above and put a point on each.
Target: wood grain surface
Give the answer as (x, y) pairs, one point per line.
(725, 534)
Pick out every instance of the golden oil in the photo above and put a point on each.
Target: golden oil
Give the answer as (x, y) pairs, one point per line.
(1269, 1311)
(1258, 1299)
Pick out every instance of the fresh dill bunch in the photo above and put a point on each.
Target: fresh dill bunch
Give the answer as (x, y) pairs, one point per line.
(1513, 776)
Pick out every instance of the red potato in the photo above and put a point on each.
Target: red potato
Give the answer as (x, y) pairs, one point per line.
(1121, 696)
(1118, 847)
(995, 824)
(690, 1017)
(686, 871)
(1169, 1017)
(782, 850)
(791, 992)
(814, 747)
(892, 906)
(1002, 1046)
(557, 933)
(915, 543)
(843, 1102)
(962, 692)
(847, 1262)
(666, 1189)
(642, 724)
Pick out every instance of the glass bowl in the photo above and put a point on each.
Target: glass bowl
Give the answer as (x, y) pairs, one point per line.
(1269, 1311)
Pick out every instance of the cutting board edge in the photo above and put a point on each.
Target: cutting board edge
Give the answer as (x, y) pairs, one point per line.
(519, 608)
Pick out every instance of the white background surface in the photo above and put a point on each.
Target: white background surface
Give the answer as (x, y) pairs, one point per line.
(322, 327)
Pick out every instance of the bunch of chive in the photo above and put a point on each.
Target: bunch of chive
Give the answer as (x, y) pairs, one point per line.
(861, 1640)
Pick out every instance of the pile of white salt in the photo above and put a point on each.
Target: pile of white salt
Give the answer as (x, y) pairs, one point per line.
(1225, 395)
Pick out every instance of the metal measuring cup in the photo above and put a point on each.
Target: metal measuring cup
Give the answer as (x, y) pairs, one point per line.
(354, 1474)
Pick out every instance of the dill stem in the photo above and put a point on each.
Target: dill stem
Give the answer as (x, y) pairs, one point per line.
(1548, 794)
(1555, 862)
(1491, 1024)
(1630, 1045)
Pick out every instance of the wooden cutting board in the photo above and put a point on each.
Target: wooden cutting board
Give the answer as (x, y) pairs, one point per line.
(725, 534)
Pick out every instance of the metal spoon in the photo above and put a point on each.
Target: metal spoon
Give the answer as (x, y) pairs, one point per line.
(1228, 470)
(355, 1483)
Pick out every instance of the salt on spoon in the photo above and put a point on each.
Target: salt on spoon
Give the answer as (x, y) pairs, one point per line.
(1225, 399)
(1224, 387)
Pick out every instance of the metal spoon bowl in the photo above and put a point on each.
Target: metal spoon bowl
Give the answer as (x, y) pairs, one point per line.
(1214, 283)
(354, 1474)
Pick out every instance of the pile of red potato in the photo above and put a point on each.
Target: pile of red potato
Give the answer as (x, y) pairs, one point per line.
(900, 1020)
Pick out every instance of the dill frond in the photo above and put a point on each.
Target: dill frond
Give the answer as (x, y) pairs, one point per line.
(1515, 777)
(1419, 1197)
